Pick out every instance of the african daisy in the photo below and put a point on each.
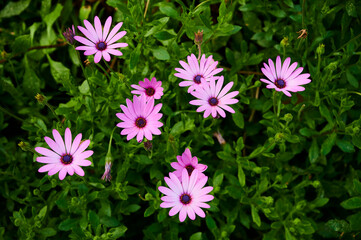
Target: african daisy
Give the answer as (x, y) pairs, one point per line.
(64, 158)
(197, 74)
(140, 118)
(187, 196)
(212, 98)
(98, 41)
(151, 89)
(284, 78)
(186, 161)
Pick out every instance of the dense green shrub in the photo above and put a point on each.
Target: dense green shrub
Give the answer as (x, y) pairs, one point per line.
(289, 167)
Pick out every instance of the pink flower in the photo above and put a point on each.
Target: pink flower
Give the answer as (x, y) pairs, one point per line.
(212, 98)
(197, 74)
(187, 196)
(98, 41)
(64, 158)
(151, 89)
(140, 118)
(186, 161)
(284, 78)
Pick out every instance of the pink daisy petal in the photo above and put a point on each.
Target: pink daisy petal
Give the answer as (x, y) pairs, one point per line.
(114, 31)
(97, 57)
(107, 25)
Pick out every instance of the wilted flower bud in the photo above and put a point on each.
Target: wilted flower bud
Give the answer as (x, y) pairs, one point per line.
(285, 42)
(219, 137)
(148, 145)
(198, 37)
(40, 98)
(108, 166)
(303, 33)
(69, 34)
(320, 49)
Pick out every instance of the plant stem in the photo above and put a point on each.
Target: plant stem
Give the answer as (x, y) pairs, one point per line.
(52, 110)
(10, 114)
(146, 8)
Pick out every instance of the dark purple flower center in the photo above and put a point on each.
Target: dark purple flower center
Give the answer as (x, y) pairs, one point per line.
(66, 159)
(101, 46)
(190, 169)
(280, 83)
(213, 101)
(197, 79)
(185, 198)
(149, 91)
(140, 122)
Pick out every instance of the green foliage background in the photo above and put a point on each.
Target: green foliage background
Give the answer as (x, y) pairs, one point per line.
(290, 168)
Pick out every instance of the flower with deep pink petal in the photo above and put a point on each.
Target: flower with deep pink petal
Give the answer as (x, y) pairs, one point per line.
(187, 196)
(284, 78)
(98, 41)
(65, 156)
(186, 161)
(140, 118)
(212, 98)
(151, 89)
(197, 74)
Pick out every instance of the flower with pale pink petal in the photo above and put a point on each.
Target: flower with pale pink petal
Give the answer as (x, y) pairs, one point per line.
(151, 89)
(213, 99)
(186, 197)
(65, 156)
(186, 161)
(197, 74)
(140, 118)
(99, 41)
(284, 78)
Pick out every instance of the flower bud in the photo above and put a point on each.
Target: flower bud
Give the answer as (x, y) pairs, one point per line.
(40, 98)
(288, 117)
(69, 35)
(148, 145)
(284, 42)
(108, 166)
(320, 49)
(198, 37)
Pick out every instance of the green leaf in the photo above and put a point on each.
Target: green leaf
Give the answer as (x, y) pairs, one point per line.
(217, 180)
(255, 217)
(67, 224)
(84, 88)
(351, 79)
(355, 221)
(161, 53)
(61, 74)
(313, 152)
(14, 8)
(164, 35)
(48, 232)
(149, 211)
(241, 176)
(357, 186)
(169, 11)
(51, 17)
(288, 235)
(352, 203)
(345, 146)
(116, 233)
(328, 144)
(42, 212)
(21, 44)
(238, 119)
(196, 236)
(134, 56)
(93, 219)
(325, 113)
